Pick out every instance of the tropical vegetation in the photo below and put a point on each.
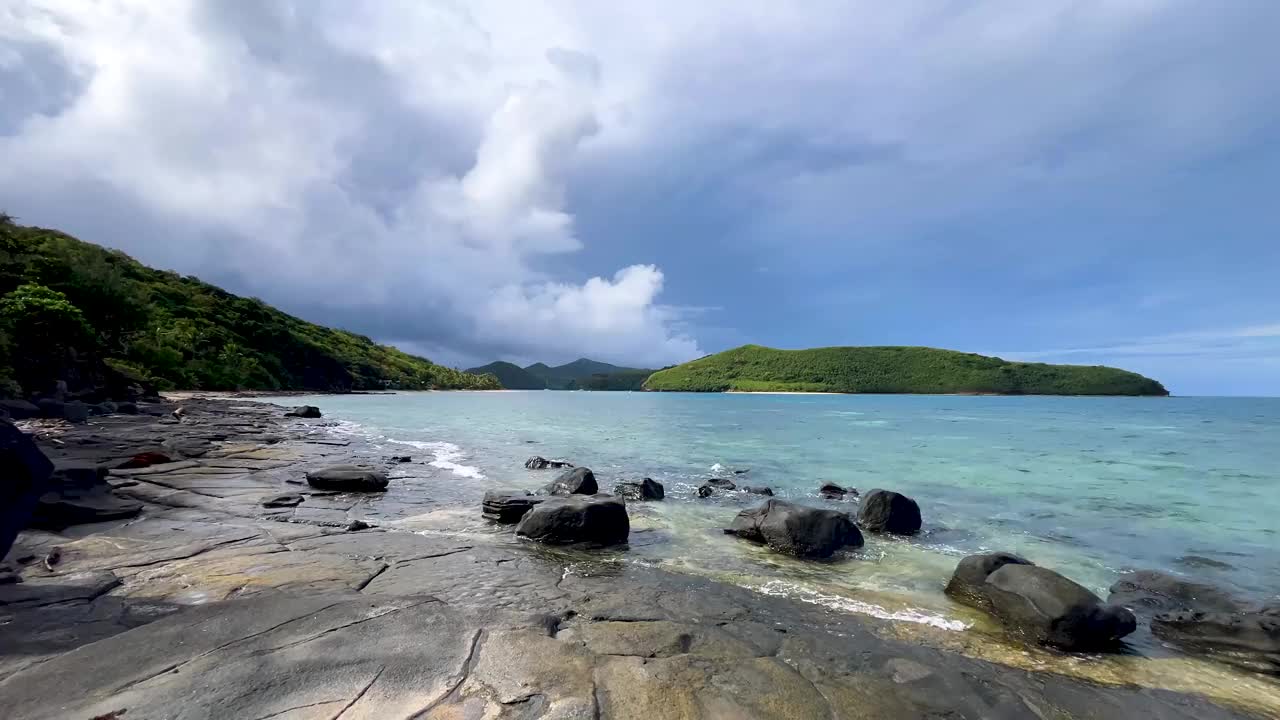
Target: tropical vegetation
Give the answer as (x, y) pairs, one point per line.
(74, 310)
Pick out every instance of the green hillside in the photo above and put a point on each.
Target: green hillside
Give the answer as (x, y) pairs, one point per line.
(585, 374)
(753, 368)
(73, 310)
(512, 376)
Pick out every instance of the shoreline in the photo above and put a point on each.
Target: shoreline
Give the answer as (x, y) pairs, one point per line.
(203, 549)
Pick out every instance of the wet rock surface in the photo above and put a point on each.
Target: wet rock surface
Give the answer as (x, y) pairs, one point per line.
(796, 529)
(348, 478)
(646, 489)
(578, 481)
(889, 512)
(508, 506)
(537, 462)
(1039, 603)
(595, 519)
(208, 605)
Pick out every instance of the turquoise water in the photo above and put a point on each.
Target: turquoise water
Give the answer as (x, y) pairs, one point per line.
(1089, 486)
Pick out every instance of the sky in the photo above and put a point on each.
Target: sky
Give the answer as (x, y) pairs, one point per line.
(1094, 182)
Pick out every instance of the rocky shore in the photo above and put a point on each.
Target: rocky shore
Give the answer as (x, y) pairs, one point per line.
(209, 574)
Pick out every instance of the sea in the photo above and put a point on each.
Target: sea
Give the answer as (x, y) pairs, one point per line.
(1089, 486)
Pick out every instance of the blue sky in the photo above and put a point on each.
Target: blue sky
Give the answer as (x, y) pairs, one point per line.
(1089, 182)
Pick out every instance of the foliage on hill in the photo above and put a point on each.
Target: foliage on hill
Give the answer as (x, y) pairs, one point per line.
(512, 376)
(70, 306)
(753, 368)
(622, 380)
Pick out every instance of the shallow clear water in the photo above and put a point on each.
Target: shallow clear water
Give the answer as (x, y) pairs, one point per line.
(1088, 486)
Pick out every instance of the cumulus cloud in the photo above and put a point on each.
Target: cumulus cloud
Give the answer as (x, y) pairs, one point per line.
(252, 137)
(553, 179)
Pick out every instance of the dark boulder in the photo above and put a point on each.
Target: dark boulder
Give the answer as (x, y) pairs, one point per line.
(348, 478)
(537, 462)
(19, 409)
(888, 511)
(1147, 592)
(595, 519)
(796, 529)
(400, 459)
(646, 489)
(304, 411)
(144, 459)
(74, 411)
(832, 491)
(127, 408)
(508, 506)
(578, 481)
(722, 484)
(705, 491)
(1040, 604)
(106, 407)
(968, 581)
(757, 490)
(24, 477)
(283, 500)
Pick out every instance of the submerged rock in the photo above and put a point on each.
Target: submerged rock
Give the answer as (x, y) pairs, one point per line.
(578, 481)
(1251, 638)
(832, 491)
(304, 411)
(1150, 591)
(508, 506)
(705, 491)
(888, 511)
(796, 529)
(757, 490)
(722, 483)
(537, 462)
(1039, 603)
(596, 519)
(647, 489)
(1203, 619)
(348, 478)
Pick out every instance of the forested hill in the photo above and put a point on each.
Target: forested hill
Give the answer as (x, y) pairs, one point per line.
(581, 374)
(69, 308)
(753, 368)
(512, 376)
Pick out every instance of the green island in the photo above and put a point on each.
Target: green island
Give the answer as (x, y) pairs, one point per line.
(922, 370)
(71, 310)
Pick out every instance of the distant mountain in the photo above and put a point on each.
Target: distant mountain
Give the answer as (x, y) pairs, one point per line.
(512, 376)
(753, 368)
(585, 374)
(581, 374)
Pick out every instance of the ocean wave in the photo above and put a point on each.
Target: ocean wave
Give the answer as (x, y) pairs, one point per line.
(781, 588)
(446, 456)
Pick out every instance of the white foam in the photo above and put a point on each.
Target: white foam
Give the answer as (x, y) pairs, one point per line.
(780, 588)
(717, 468)
(446, 456)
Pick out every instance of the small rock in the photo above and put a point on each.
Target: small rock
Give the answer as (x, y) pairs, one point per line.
(356, 525)
(348, 478)
(304, 411)
(596, 519)
(796, 529)
(283, 500)
(722, 483)
(647, 489)
(888, 511)
(537, 462)
(508, 506)
(400, 459)
(757, 490)
(578, 481)
(832, 491)
(705, 491)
